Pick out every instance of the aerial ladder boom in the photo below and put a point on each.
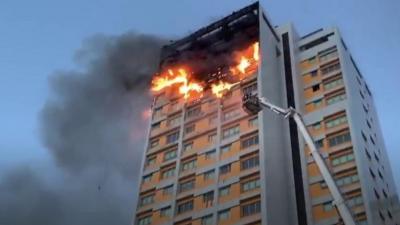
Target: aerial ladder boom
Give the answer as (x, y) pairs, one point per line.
(253, 104)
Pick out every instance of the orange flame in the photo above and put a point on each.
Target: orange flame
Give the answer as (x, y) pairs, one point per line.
(244, 63)
(248, 60)
(256, 51)
(186, 87)
(218, 89)
(161, 82)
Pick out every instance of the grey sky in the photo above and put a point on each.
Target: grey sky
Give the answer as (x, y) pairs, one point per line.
(40, 37)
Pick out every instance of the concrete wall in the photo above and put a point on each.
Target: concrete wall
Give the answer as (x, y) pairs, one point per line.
(355, 84)
(278, 206)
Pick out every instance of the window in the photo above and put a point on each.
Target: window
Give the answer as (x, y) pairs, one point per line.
(172, 137)
(376, 157)
(224, 191)
(316, 126)
(250, 163)
(362, 95)
(315, 88)
(231, 114)
(210, 154)
(336, 98)
(389, 214)
(380, 174)
(224, 214)
(327, 206)
(229, 132)
(343, 181)
(156, 125)
(212, 138)
(330, 68)
(251, 89)
(174, 121)
(186, 186)
(372, 173)
(372, 140)
(207, 220)
(251, 185)
(368, 155)
(147, 178)
(343, 159)
(319, 143)
(188, 146)
(226, 148)
(189, 129)
(347, 180)
(170, 155)
(362, 222)
(250, 209)
(189, 165)
(315, 42)
(168, 173)
(328, 54)
(365, 109)
(384, 193)
(314, 73)
(154, 143)
(358, 80)
(168, 190)
(165, 212)
(364, 137)
(336, 121)
(151, 160)
(311, 60)
(253, 140)
(253, 122)
(145, 220)
(185, 207)
(225, 169)
(157, 112)
(355, 201)
(368, 124)
(381, 216)
(208, 198)
(209, 175)
(332, 84)
(317, 103)
(147, 200)
(339, 139)
(194, 111)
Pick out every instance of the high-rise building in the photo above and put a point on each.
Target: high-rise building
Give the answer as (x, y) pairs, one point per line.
(207, 161)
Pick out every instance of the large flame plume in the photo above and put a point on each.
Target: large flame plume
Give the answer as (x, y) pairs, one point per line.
(181, 78)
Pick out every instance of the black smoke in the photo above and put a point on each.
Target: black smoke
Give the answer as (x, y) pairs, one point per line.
(93, 128)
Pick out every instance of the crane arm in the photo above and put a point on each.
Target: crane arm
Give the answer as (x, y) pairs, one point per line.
(253, 104)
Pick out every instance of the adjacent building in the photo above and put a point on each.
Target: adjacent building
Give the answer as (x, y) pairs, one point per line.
(209, 162)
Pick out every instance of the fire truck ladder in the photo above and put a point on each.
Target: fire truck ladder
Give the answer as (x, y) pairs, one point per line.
(253, 104)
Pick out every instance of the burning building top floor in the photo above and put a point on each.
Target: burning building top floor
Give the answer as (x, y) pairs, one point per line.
(213, 58)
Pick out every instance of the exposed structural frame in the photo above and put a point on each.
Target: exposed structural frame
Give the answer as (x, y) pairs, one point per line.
(252, 104)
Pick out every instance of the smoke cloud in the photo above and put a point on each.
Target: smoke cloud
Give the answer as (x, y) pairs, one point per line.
(93, 128)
